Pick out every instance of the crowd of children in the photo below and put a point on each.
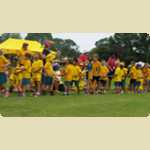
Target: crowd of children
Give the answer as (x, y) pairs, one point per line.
(43, 74)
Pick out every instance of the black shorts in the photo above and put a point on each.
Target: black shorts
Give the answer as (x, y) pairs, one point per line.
(111, 74)
(103, 82)
(75, 82)
(95, 78)
(68, 83)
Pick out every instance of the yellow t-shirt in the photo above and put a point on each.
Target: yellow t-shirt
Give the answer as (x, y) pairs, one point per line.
(76, 73)
(37, 66)
(96, 66)
(125, 72)
(18, 74)
(22, 53)
(103, 72)
(51, 56)
(3, 62)
(49, 69)
(68, 72)
(27, 71)
(118, 74)
(139, 74)
(133, 73)
(148, 74)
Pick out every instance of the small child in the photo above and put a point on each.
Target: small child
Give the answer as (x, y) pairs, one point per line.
(140, 79)
(48, 76)
(103, 77)
(57, 78)
(68, 76)
(26, 73)
(89, 77)
(76, 75)
(118, 78)
(18, 75)
(3, 77)
(124, 76)
(133, 77)
(36, 70)
(96, 66)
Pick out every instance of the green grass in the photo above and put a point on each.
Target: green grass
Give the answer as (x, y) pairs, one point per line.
(109, 105)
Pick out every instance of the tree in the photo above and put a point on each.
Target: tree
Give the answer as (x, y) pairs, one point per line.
(67, 47)
(127, 46)
(40, 37)
(6, 36)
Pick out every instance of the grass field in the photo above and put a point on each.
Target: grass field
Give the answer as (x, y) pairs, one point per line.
(109, 105)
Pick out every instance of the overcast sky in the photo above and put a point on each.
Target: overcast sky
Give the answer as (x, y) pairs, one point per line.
(85, 41)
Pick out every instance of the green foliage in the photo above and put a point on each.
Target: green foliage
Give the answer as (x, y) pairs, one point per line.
(67, 47)
(6, 36)
(128, 47)
(40, 37)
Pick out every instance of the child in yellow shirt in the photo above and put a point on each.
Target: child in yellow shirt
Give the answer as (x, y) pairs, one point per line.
(124, 76)
(140, 79)
(68, 76)
(89, 77)
(118, 78)
(26, 72)
(148, 78)
(96, 66)
(18, 76)
(36, 70)
(76, 75)
(146, 74)
(49, 76)
(133, 77)
(103, 77)
(3, 77)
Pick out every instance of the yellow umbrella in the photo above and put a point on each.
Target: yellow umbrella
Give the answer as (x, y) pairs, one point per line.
(12, 46)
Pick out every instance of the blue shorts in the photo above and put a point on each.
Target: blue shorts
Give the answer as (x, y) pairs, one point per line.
(138, 83)
(25, 81)
(118, 84)
(133, 82)
(3, 78)
(43, 78)
(96, 78)
(123, 83)
(47, 80)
